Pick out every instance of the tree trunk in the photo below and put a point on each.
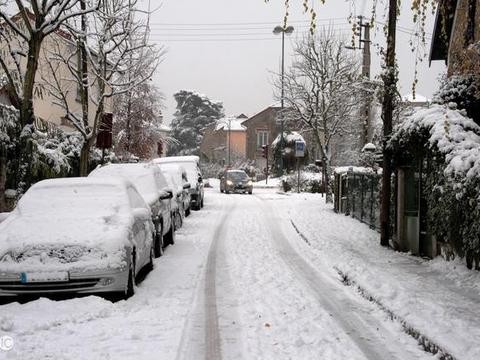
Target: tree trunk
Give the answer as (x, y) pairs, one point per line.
(84, 158)
(23, 164)
(26, 106)
(325, 167)
(387, 114)
(328, 190)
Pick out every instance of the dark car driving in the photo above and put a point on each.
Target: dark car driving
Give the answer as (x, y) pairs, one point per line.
(235, 181)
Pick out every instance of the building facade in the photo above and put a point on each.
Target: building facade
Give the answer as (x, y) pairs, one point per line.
(47, 109)
(225, 141)
(262, 129)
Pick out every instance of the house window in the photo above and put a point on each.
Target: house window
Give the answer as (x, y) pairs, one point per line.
(262, 138)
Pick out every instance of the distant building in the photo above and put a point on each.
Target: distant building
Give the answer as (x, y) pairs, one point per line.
(224, 141)
(262, 129)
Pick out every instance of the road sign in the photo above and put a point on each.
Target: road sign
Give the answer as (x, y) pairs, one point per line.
(299, 148)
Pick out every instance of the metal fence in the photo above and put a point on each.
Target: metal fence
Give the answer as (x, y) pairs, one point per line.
(359, 196)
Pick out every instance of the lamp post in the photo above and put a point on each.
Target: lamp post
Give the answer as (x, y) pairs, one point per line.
(229, 144)
(282, 30)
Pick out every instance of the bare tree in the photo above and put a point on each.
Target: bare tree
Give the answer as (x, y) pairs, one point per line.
(21, 40)
(138, 120)
(320, 91)
(117, 46)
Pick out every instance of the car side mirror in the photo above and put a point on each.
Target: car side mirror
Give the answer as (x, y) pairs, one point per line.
(166, 194)
(187, 186)
(200, 180)
(142, 213)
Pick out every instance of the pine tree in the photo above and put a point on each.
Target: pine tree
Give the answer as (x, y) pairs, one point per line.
(194, 113)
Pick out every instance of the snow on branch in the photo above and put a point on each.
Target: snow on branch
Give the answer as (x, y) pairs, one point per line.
(448, 132)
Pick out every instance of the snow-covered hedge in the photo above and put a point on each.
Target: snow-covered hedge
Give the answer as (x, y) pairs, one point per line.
(450, 142)
(309, 182)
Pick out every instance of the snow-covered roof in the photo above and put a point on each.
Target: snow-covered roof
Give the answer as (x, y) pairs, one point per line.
(354, 169)
(451, 132)
(164, 128)
(369, 147)
(417, 98)
(230, 122)
(288, 137)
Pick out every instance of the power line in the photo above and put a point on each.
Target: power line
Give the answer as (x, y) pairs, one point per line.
(234, 34)
(246, 23)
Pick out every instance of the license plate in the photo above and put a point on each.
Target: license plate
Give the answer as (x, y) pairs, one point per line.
(50, 276)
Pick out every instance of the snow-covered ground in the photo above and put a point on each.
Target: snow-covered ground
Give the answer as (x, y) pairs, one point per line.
(257, 277)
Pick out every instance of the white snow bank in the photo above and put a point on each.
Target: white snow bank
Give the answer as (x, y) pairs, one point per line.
(438, 299)
(3, 216)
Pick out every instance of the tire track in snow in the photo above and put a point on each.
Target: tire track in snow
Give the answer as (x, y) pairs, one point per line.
(206, 292)
(213, 349)
(357, 323)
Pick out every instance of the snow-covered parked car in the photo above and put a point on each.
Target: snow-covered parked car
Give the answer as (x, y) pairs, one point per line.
(192, 166)
(152, 185)
(177, 179)
(76, 235)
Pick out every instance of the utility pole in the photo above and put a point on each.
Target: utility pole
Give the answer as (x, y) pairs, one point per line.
(229, 144)
(282, 30)
(390, 84)
(364, 44)
(366, 76)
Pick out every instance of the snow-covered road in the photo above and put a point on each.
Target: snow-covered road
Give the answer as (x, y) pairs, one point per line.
(239, 283)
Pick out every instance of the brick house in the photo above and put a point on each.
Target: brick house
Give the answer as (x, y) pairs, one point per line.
(262, 129)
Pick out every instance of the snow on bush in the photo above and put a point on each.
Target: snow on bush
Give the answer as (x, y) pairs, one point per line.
(448, 132)
(449, 144)
(309, 182)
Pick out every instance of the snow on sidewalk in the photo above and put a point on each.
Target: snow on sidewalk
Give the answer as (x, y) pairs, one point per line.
(438, 299)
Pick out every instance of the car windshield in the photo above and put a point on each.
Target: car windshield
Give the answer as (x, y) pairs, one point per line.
(237, 175)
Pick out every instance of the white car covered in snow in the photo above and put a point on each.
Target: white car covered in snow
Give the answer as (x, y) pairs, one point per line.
(191, 164)
(176, 177)
(76, 235)
(153, 187)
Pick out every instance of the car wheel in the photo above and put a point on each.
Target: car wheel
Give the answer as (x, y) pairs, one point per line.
(250, 192)
(130, 288)
(187, 212)
(169, 238)
(178, 221)
(201, 203)
(158, 243)
(149, 266)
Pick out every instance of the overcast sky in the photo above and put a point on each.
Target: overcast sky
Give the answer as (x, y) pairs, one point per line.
(225, 49)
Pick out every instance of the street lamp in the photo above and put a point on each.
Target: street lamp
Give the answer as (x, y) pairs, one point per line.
(282, 30)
